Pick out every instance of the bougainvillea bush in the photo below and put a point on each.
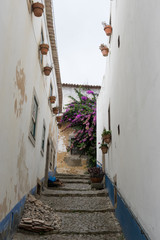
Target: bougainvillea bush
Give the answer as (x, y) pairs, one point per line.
(80, 115)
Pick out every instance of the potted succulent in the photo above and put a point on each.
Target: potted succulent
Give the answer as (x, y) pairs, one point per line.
(44, 48)
(96, 174)
(104, 49)
(55, 110)
(52, 99)
(37, 9)
(107, 28)
(104, 148)
(106, 136)
(47, 70)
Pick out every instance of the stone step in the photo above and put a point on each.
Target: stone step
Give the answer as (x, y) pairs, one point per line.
(85, 211)
(72, 186)
(74, 193)
(79, 204)
(59, 236)
(72, 176)
(84, 181)
(89, 223)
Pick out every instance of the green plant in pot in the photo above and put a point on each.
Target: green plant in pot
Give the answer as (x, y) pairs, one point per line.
(96, 174)
(106, 136)
(104, 148)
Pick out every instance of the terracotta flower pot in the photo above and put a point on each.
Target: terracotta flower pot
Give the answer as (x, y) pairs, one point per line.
(44, 48)
(59, 125)
(108, 30)
(104, 149)
(96, 179)
(47, 70)
(37, 9)
(52, 99)
(58, 118)
(55, 110)
(107, 138)
(105, 51)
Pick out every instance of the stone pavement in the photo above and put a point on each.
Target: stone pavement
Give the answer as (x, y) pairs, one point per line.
(86, 214)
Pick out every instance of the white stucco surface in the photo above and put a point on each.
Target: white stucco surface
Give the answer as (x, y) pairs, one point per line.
(131, 87)
(21, 75)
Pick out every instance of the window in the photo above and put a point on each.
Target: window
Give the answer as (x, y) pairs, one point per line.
(43, 137)
(34, 118)
(119, 42)
(33, 123)
(50, 90)
(74, 151)
(109, 118)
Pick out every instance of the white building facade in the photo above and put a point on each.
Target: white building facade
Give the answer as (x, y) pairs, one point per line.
(128, 105)
(28, 129)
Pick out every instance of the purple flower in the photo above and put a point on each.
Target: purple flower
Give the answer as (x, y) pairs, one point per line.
(90, 92)
(84, 98)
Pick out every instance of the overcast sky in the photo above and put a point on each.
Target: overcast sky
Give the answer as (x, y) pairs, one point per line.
(79, 33)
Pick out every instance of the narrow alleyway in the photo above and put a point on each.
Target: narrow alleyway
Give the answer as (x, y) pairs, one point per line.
(86, 214)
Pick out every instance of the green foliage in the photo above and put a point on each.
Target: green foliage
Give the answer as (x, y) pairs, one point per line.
(81, 115)
(105, 132)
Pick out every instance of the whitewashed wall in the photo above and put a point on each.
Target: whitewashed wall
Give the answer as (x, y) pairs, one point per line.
(70, 91)
(131, 86)
(20, 73)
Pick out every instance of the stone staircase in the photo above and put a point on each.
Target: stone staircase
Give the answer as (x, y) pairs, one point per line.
(86, 213)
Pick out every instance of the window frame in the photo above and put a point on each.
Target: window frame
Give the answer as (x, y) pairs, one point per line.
(43, 138)
(33, 118)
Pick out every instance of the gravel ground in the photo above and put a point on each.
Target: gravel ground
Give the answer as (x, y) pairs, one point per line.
(85, 214)
(78, 203)
(117, 236)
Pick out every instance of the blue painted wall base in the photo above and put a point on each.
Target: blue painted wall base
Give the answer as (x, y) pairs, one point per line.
(9, 224)
(130, 227)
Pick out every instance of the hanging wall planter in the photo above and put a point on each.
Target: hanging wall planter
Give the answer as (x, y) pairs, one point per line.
(37, 9)
(55, 110)
(59, 125)
(44, 48)
(47, 70)
(58, 118)
(106, 136)
(104, 148)
(107, 28)
(104, 49)
(52, 99)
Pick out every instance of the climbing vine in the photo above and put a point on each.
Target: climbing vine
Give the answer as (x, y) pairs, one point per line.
(80, 115)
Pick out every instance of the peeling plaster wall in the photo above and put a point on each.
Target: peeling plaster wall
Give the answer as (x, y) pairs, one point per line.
(63, 142)
(131, 87)
(21, 74)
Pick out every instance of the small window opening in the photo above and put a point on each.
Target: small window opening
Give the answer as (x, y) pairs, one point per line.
(109, 118)
(118, 129)
(51, 90)
(74, 151)
(119, 43)
(43, 137)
